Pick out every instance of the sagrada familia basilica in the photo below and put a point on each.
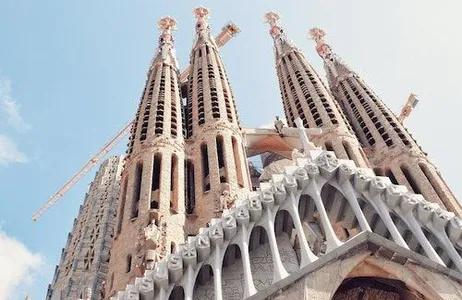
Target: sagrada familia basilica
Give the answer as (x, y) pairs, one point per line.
(346, 206)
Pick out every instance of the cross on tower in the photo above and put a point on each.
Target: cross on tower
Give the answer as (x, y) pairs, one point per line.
(272, 18)
(317, 35)
(201, 13)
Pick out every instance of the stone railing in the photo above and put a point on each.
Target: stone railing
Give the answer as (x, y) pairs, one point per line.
(316, 191)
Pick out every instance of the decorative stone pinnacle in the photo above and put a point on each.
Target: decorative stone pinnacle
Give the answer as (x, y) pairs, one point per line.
(317, 35)
(272, 18)
(201, 13)
(167, 24)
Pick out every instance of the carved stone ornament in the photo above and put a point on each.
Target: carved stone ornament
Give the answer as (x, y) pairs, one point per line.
(327, 161)
(297, 154)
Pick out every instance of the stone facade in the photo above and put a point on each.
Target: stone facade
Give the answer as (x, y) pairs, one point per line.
(322, 225)
(83, 268)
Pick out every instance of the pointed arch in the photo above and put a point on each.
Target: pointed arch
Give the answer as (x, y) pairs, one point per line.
(137, 189)
(261, 269)
(177, 293)
(287, 241)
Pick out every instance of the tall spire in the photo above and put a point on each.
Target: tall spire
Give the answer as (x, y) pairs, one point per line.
(152, 200)
(166, 52)
(282, 44)
(203, 33)
(335, 67)
(388, 144)
(218, 161)
(305, 96)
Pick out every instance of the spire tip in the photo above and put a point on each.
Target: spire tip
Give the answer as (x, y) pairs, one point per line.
(201, 12)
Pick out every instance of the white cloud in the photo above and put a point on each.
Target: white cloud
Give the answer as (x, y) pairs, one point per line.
(19, 266)
(9, 153)
(11, 108)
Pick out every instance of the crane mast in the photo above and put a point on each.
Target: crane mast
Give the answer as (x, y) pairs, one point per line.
(227, 32)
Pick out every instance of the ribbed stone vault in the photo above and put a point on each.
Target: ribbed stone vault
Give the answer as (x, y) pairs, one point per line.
(318, 205)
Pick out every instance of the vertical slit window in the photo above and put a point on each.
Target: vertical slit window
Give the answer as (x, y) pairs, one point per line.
(328, 145)
(221, 158)
(137, 190)
(410, 179)
(190, 187)
(122, 206)
(378, 172)
(128, 266)
(174, 183)
(205, 168)
(237, 162)
(155, 184)
(389, 174)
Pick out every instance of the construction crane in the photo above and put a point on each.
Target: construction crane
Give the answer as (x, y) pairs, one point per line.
(227, 32)
(411, 103)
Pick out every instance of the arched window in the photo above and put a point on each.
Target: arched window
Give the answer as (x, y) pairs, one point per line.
(137, 189)
(190, 187)
(328, 145)
(221, 158)
(155, 183)
(389, 174)
(410, 179)
(128, 266)
(122, 206)
(205, 168)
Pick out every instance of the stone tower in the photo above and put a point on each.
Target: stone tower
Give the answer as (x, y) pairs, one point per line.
(83, 267)
(151, 210)
(305, 96)
(217, 164)
(389, 146)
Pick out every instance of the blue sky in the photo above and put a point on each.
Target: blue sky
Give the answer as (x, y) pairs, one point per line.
(71, 73)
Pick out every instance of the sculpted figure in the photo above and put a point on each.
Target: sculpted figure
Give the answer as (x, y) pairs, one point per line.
(297, 154)
(151, 234)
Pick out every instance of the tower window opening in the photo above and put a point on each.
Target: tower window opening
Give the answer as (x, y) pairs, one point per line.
(410, 179)
(122, 206)
(190, 187)
(128, 266)
(237, 162)
(205, 168)
(389, 174)
(221, 158)
(137, 189)
(378, 172)
(328, 145)
(156, 179)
